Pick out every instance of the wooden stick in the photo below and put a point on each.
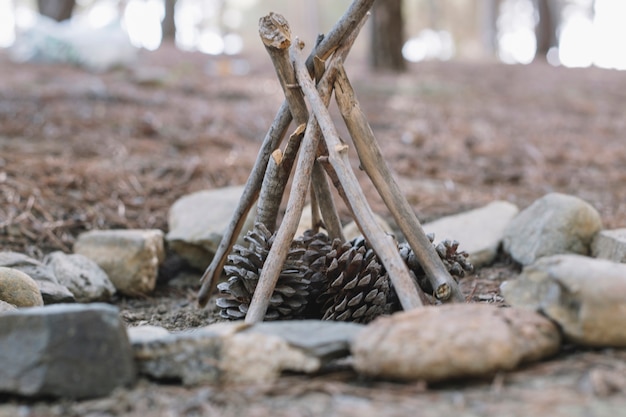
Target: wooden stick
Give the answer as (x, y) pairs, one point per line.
(374, 165)
(250, 193)
(276, 178)
(350, 20)
(382, 243)
(326, 203)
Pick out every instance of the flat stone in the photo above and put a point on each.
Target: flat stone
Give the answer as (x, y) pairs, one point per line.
(235, 352)
(554, 224)
(453, 341)
(130, 257)
(197, 223)
(18, 289)
(82, 276)
(323, 339)
(610, 244)
(585, 296)
(479, 231)
(51, 290)
(64, 350)
(351, 230)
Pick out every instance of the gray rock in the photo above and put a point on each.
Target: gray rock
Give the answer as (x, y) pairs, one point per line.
(610, 244)
(351, 230)
(453, 341)
(235, 352)
(585, 296)
(51, 290)
(82, 276)
(18, 289)
(478, 231)
(130, 258)
(323, 339)
(64, 350)
(197, 222)
(4, 306)
(554, 224)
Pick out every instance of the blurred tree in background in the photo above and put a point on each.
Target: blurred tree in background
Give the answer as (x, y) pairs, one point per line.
(58, 10)
(387, 36)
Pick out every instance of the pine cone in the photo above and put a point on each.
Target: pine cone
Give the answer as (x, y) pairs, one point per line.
(455, 261)
(356, 286)
(243, 269)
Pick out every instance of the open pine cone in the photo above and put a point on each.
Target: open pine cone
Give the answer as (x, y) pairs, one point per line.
(455, 261)
(243, 268)
(356, 286)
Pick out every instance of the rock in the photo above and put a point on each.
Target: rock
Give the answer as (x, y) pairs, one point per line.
(235, 352)
(453, 341)
(610, 244)
(197, 222)
(130, 258)
(82, 276)
(585, 296)
(351, 230)
(478, 231)
(323, 339)
(51, 290)
(18, 289)
(64, 350)
(554, 224)
(4, 306)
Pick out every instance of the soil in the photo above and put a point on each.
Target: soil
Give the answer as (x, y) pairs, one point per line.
(82, 151)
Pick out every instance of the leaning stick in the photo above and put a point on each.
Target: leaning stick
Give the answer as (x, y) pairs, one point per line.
(335, 37)
(381, 242)
(374, 165)
(276, 178)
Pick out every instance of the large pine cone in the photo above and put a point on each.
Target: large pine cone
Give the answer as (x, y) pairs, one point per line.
(243, 269)
(357, 287)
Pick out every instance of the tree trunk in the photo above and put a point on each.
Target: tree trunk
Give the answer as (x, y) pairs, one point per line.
(489, 27)
(168, 26)
(387, 36)
(545, 30)
(58, 10)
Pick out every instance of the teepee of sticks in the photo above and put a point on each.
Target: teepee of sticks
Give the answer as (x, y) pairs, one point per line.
(320, 155)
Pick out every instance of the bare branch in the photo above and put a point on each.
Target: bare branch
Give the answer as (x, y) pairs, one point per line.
(374, 165)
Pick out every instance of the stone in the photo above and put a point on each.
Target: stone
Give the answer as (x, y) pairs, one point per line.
(585, 296)
(478, 231)
(51, 290)
(235, 352)
(554, 224)
(18, 289)
(323, 339)
(453, 341)
(130, 257)
(64, 350)
(4, 306)
(82, 276)
(197, 222)
(351, 230)
(610, 244)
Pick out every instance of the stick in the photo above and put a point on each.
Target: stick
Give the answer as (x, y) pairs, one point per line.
(326, 204)
(250, 193)
(374, 165)
(276, 178)
(383, 244)
(350, 20)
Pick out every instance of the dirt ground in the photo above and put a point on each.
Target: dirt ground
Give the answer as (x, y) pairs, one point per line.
(83, 151)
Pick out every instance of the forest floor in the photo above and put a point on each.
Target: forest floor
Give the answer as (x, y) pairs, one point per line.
(82, 151)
